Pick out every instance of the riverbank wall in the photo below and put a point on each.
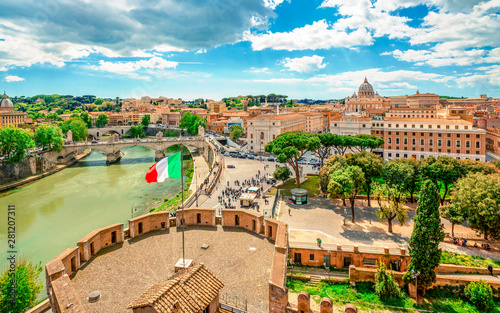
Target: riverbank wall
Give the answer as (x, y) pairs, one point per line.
(32, 168)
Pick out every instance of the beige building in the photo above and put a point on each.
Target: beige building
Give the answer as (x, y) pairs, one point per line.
(171, 119)
(424, 137)
(351, 124)
(264, 128)
(402, 112)
(398, 101)
(216, 107)
(423, 100)
(315, 122)
(7, 114)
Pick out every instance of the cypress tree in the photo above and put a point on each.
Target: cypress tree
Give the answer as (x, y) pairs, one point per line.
(427, 234)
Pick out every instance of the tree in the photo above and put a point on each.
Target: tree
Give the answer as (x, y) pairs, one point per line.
(342, 143)
(327, 140)
(86, 118)
(426, 236)
(290, 147)
(190, 122)
(145, 120)
(26, 283)
(137, 131)
(78, 128)
(102, 120)
(496, 163)
(454, 214)
(391, 204)
(477, 197)
(15, 142)
(346, 183)
(371, 165)
(49, 137)
(236, 132)
(332, 164)
(98, 101)
(443, 171)
(471, 166)
(480, 294)
(385, 285)
(282, 173)
(363, 142)
(398, 174)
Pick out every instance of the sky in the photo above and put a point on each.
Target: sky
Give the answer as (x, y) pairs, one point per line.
(316, 49)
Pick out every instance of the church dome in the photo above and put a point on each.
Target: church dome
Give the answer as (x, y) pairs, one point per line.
(365, 90)
(5, 102)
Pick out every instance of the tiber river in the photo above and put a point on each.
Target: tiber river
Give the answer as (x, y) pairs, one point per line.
(53, 213)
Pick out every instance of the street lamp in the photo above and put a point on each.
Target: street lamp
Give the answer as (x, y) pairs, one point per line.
(415, 275)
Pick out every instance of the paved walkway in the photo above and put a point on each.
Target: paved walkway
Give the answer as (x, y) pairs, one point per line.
(470, 251)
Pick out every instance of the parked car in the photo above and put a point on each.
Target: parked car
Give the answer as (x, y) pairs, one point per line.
(242, 156)
(270, 159)
(93, 141)
(304, 162)
(251, 157)
(230, 166)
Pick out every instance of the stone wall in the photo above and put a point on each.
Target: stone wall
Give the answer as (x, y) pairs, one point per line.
(149, 222)
(197, 216)
(451, 268)
(98, 239)
(31, 165)
(247, 219)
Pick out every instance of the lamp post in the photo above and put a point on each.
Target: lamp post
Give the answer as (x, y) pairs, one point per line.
(415, 275)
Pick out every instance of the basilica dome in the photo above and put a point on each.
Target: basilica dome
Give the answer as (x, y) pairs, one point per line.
(5, 102)
(365, 89)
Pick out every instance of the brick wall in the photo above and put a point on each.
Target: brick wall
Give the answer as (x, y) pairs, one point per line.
(271, 228)
(450, 269)
(98, 239)
(247, 219)
(206, 216)
(149, 222)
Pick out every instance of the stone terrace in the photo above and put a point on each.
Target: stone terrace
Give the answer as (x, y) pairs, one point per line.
(123, 272)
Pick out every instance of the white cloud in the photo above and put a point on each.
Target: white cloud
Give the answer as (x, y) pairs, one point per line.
(273, 3)
(259, 70)
(12, 78)
(486, 78)
(3, 69)
(135, 69)
(201, 51)
(305, 64)
(279, 80)
(319, 35)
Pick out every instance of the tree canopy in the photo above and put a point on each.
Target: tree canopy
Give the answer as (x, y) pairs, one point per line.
(390, 204)
(289, 147)
(49, 137)
(102, 120)
(371, 165)
(146, 120)
(477, 197)
(282, 173)
(190, 122)
(346, 183)
(15, 142)
(235, 132)
(443, 171)
(426, 236)
(78, 128)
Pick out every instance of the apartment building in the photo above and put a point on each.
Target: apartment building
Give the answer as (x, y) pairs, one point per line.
(423, 100)
(171, 119)
(351, 125)
(412, 112)
(315, 122)
(424, 137)
(493, 140)
(264, 128)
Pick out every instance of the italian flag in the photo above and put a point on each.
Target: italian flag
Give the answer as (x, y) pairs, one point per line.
(169, 167)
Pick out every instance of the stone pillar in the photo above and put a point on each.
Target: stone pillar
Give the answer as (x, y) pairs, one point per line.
(69, 136)
(159, 154)
(412, 290)
(326, 305)
(350, 308)
(201, 131)
(304, 302)
(114, 157)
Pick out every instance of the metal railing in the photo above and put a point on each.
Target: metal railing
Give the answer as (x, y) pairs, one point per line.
(233, 303)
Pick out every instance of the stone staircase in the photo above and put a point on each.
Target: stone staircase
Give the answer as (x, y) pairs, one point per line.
(315, 280)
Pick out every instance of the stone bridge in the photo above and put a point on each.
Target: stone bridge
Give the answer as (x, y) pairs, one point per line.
(97, 133)
(112, 147)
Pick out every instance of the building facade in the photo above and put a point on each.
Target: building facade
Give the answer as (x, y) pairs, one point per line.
(365, 99)
(7, 114)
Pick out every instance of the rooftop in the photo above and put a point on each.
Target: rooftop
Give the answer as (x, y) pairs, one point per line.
(122, 273)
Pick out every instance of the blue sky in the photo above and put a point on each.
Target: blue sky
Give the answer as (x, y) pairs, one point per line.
(319, 49)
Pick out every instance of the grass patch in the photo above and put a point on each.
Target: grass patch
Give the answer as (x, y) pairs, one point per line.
(442, 299)
(467, 260)
(311, 185)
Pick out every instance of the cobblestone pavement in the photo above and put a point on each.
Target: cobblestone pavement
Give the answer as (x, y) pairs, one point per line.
(122, 273)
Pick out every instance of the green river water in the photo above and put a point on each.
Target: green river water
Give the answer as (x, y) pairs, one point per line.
(53, 213)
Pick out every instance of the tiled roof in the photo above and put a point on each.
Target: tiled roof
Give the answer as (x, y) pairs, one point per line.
(193, 290)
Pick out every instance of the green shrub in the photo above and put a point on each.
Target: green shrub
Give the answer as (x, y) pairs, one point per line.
(385, 286)
(480, 294)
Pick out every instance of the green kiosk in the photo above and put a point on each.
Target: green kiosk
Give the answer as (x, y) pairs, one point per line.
(299, 196)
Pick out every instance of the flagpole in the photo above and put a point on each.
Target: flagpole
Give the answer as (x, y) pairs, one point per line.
(182, 208)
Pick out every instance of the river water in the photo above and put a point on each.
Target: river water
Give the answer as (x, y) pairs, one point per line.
(53, 213)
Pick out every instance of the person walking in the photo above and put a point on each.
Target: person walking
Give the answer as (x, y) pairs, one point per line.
(290, 211)
(490, 268)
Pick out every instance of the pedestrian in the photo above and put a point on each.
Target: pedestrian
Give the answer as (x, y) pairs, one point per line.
(490, 268)
(290, 211)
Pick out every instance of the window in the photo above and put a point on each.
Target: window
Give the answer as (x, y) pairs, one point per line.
(448, 143)
(447, 126)
(440, 143)
(311, 257)
(458, 135)
(405, 155)
(421, 126)
(405, 140)
(364, 125)
(369, 262)
(422, 142)
(390, 133)
(397, 133)
(389, 140)
(478, 144)
(439, 126)
(397, 155)
(389, 154)
(413, 141)
(458, 143)
(431, 142)
(397, 140)
(456, 127)
(467, 136)
(477, 136)
(251, 135)
(430, 126)
(413, 126)
(467, 144)
(466, 127)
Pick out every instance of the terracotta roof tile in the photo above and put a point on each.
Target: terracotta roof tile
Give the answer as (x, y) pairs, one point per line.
(193, 290)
